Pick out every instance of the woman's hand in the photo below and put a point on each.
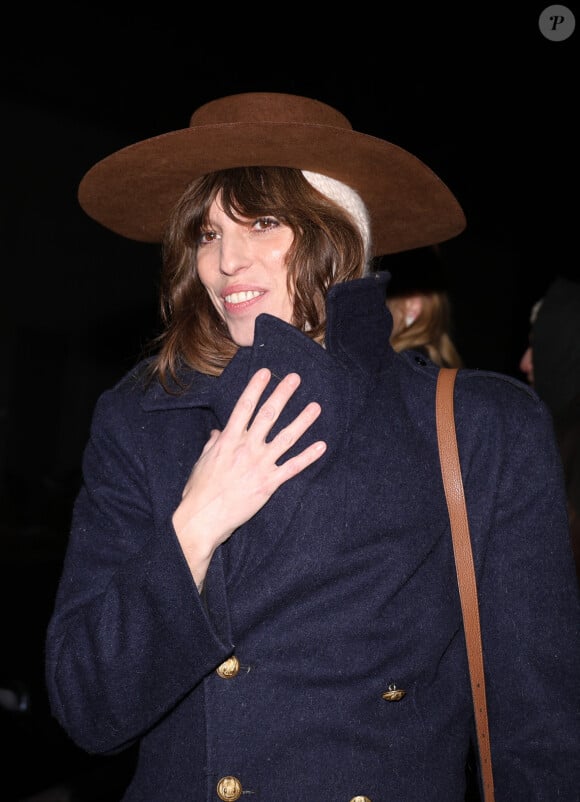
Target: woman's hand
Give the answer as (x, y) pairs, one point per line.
(236, 472)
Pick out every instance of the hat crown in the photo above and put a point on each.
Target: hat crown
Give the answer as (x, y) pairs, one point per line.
(268, 107)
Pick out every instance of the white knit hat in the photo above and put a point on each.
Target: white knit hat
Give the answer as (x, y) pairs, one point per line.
(350, 201)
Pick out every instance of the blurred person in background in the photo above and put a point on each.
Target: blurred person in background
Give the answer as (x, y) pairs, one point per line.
(419, 302)
(551, 364)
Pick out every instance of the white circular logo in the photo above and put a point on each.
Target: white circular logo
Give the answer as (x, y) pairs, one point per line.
(557, 23)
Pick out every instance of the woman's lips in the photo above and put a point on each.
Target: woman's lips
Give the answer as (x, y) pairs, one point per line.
(241, 299)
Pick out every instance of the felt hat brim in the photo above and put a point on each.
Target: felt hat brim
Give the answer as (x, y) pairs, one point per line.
(133, 191)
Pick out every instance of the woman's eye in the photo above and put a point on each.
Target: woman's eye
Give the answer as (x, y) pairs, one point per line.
(265, 223)
(205, 237)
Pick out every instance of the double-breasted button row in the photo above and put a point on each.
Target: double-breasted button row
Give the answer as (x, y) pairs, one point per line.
(229, 789)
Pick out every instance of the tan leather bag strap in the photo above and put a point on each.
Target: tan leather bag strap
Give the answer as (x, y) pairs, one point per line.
(453, 484)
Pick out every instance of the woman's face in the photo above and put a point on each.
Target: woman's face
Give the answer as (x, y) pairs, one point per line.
(405, 309)
(243, 268)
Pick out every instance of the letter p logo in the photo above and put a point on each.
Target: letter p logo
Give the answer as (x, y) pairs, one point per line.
(557, 23)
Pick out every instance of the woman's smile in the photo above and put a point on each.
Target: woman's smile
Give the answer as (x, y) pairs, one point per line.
(236, 300)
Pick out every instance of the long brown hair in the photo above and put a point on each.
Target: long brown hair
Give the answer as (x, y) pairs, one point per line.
(327, 248)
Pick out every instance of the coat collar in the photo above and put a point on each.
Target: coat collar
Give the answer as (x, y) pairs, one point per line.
(357, 338)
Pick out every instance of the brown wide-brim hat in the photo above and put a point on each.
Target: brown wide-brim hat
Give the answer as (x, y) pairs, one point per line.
(133, 191)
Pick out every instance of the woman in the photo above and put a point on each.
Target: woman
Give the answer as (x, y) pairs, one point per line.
(421, 322)
(420, 305)
(259, 587)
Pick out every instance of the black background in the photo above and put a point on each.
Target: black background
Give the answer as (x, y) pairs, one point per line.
(478, 94)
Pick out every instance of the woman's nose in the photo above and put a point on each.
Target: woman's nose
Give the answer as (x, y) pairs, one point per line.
(235, 253)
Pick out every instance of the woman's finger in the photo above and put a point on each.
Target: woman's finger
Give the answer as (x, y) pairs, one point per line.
(296, 464)
(213, 436)
(270, 410)
(248, 401)
(290, 434)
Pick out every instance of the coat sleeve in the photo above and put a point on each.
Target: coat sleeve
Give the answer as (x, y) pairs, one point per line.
(129, 636)
(529, 597)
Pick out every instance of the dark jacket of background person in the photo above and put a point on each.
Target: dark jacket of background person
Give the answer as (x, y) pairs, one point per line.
(302, 655)
(555, 342)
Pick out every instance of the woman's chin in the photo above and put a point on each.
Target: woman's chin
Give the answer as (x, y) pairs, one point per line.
(242, 336)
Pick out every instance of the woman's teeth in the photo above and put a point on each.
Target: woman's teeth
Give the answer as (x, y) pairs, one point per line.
(240, 297)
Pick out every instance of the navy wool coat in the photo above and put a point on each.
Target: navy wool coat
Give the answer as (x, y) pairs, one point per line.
(269, 686)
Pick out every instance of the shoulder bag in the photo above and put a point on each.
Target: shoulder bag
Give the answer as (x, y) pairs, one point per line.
(453, 484)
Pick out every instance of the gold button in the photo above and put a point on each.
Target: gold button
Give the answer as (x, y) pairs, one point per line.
(229, 789)
(360, 799)
(393, 694)
(228, 669)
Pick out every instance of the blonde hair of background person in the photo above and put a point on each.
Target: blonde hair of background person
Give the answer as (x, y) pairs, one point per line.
(419, 302)
(422, 321)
